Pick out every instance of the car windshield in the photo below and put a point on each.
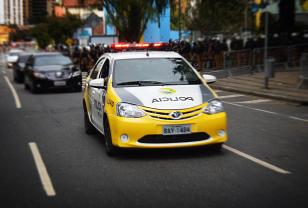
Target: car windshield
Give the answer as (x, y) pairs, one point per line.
(52, 60)
(153, 71)
(23, 58)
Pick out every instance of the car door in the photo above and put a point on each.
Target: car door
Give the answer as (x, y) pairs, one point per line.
(99, 95)
(96, 109)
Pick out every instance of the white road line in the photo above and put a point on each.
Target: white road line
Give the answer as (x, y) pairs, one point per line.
(265, 111)
(253, 101)
(300, 119)
(41, 168)
(270, 112)
(256, 160)
(217, 91)
(256, 109)
(230, 96)
(15, 95)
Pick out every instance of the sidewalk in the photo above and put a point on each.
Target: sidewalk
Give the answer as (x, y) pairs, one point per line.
(282, 87)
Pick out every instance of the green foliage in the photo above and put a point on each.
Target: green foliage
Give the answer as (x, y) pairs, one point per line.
(179, 10)
(55, 29)
(131, 16)
(217, 15)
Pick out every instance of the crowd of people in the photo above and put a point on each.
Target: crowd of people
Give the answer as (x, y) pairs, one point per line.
(207, 53)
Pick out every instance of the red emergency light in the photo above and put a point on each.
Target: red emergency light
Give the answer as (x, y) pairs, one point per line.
(120, 45)
(136, 46)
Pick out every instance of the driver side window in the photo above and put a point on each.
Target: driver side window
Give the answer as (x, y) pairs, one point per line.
(96, 69)
(105, 69)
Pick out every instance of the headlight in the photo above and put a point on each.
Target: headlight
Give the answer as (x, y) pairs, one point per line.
(39, 75)
(76, 73)
(214, 106)
(129, 111)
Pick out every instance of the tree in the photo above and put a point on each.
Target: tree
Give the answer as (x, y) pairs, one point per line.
(55, 29)
(130, 17)
(217, 15)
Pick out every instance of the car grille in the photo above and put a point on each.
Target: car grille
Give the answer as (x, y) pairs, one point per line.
(55, 76)
(163, 139)
(165, 114)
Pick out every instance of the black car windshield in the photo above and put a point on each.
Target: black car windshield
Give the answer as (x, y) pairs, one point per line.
(153, 71)
(48, 60)
(23, 58)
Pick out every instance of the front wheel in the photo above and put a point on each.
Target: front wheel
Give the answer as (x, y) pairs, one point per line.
(111, 150)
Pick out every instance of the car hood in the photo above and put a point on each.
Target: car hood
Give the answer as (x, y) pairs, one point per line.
(165, 97)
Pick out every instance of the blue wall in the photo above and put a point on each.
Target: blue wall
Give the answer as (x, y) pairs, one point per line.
(156, 32)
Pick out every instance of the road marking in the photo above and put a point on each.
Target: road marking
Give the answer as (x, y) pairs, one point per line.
(15, 95)
(217, 91)
(300, 119)
(256, 160)
(41, 168)
(265, 111)
(270, 112)
(256, 109)
(253, 101)
(230, 96)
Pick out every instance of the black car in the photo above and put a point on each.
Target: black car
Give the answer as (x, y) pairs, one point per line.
(19, 66)
(51, 70)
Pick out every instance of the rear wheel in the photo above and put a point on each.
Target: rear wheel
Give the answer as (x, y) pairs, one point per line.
(111, 150)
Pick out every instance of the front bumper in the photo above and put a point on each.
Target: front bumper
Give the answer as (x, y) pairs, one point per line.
(50, 84)
(147, 129)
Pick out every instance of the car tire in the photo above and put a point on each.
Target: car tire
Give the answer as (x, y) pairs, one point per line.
(33, 88)
(111, 150)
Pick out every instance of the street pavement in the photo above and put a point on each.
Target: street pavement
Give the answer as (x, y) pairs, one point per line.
(48, 161)
(284, 86)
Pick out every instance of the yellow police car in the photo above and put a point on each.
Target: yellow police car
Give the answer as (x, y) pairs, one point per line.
(151, 99)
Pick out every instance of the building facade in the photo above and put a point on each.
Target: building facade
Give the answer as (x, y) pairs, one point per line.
(11, 12)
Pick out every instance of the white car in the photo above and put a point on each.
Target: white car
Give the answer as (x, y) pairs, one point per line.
(12, 57)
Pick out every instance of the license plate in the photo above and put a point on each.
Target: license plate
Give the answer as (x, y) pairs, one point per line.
(60, 83)
(176, 129)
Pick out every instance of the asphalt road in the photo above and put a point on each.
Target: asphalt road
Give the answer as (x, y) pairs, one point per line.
(264, 163)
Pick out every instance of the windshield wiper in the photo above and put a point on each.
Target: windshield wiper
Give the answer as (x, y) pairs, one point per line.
(142, 83)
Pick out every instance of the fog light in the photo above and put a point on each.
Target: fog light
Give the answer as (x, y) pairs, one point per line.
(124, 138)
(221, 133)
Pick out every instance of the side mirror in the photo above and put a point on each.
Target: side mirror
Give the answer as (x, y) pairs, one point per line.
(209, 78)
(97, 83)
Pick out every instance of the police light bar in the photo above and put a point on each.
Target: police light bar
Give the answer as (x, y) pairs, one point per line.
(136, 46)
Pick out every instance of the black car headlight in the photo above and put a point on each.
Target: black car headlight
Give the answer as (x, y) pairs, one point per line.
(76, 74)
(39, 75)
